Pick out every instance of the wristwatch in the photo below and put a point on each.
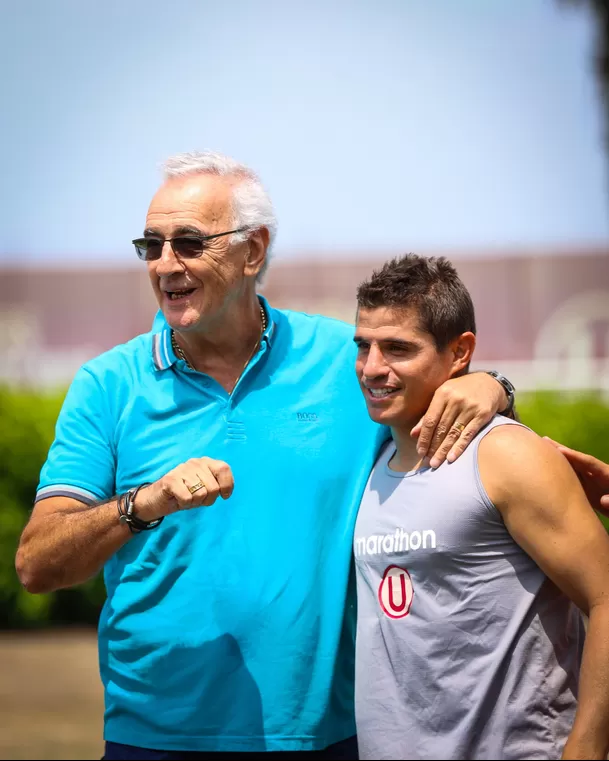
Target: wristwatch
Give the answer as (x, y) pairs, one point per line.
(508, 387)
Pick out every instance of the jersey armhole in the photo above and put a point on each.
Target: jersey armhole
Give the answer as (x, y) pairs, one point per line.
(479, 485)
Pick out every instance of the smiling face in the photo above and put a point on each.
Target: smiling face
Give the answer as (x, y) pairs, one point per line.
(399, 366)
(191, 292)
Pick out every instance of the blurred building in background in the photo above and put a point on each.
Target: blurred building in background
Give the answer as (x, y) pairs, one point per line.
(543, 317)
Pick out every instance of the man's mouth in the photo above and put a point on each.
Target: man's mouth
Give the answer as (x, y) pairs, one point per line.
(179, 294)
(382, 393)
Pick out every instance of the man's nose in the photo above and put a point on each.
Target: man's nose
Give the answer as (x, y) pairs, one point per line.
(168, 262)
(375, 364)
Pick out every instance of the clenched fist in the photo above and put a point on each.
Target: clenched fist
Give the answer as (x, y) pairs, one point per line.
(195, 483)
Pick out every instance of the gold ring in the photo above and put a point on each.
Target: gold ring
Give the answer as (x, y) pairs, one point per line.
(459, 426)
(196, 487)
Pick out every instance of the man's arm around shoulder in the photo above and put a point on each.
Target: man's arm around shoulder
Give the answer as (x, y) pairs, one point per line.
(547, 513)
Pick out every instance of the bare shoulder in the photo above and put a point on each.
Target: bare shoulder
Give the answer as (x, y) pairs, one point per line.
(514, 461)
(515, 443)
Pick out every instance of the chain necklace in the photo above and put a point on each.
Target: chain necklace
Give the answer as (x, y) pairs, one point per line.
(180, 352)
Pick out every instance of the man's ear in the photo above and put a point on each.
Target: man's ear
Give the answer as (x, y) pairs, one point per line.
(462, 350)
(258, 243)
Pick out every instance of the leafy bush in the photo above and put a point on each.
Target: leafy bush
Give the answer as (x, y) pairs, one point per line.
(27, 421)
(579, 421)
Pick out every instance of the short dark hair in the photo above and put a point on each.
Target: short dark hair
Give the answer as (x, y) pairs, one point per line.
(430, 285)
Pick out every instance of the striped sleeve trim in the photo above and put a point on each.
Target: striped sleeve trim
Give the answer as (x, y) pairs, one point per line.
(66, 490)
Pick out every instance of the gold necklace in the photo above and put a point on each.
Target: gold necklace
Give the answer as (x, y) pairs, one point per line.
(180, 352)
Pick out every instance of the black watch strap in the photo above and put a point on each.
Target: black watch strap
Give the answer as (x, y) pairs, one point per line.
(509, 389)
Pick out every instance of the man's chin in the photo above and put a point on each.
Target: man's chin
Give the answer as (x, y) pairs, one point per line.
(382, 416)
(394, 418)
(181, 321)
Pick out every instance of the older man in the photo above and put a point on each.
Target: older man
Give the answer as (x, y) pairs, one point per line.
(228, 628)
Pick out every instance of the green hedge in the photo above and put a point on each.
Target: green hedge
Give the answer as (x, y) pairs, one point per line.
(580, 421)
(27, 423)
(27, 420)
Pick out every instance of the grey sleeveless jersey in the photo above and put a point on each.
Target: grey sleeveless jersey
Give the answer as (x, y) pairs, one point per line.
(465, 649)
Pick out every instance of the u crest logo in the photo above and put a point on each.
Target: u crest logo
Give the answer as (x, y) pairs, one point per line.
(396, 592)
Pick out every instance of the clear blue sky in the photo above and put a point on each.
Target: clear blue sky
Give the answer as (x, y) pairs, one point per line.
(375, 124)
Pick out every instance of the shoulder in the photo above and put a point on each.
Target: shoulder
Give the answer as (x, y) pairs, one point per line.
(513, 460)
(309, 325)
(137, 351)
(116, 370)
(512, 443)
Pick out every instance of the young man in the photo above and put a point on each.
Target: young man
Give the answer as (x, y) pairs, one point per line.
(468, 642)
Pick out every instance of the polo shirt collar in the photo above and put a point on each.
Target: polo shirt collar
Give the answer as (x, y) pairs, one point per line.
(163, 355)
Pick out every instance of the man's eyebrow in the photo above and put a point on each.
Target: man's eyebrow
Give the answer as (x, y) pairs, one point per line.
(398, 342)
(189, 230)
(394, 341)
(179, 231)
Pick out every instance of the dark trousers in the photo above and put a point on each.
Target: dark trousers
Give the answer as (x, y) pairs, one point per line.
(342, 751)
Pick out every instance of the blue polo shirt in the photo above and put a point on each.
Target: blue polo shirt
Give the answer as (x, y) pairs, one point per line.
(230, 627)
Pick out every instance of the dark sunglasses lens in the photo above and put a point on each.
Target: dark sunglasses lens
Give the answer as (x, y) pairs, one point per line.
(152, 249)
(147, 249)
(188, 248)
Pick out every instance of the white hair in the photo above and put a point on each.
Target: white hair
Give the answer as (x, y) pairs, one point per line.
(252, 206)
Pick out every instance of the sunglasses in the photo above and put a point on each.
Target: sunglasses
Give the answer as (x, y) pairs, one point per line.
(183, 246)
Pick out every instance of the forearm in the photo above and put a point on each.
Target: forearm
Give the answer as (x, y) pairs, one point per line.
(590, 735)
(64, 548)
